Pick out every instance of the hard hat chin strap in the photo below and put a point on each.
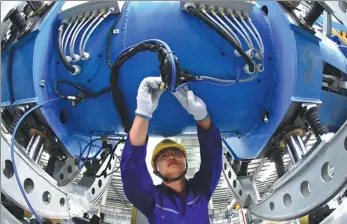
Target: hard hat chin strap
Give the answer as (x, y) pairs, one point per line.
(170, 180)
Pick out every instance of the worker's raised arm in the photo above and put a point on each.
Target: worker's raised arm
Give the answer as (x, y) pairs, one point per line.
(206, 179)
(210, 141)
(137, 182)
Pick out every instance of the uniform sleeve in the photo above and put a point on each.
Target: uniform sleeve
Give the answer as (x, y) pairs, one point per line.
(207, 178)
(137, 182)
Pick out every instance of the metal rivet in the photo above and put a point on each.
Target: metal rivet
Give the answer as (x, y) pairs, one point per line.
(42, 83)
(73, 103)
(116, 31)
(266, 119)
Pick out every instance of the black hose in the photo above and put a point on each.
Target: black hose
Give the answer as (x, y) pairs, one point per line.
(225, 36)
(87, 93)
(60, 47)
(117, 95)
(314, 13)
(110, 34)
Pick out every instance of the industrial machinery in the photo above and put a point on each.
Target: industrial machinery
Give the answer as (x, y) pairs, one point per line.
(271, 79)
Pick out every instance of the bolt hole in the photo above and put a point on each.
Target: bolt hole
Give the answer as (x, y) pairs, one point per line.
(234, 183)
(28, 185)
(69, 169)
(305, 188)
(61, 176)
(100, 183)
(327, 171)
(265, 9)
(272, 206)
(46, 197)
(8, 169)
(62, 202)
(109, 166)
(76, 162)
(240, 192)
(93, 190)
(229, 174)
(62, 116)
(346, 143)
(225, 166)
(287, 200)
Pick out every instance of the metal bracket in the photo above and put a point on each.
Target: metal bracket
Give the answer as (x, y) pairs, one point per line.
(68, 172)
(310, 183)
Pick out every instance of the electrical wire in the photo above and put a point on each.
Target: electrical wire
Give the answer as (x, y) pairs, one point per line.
(69, 35)
(102, 18)
(84, 92)
(62, 57)
(75, 34)
(86, 31)
(243, 30)
(110, 33)
(249, 43)
(13, 159)
(230, 31)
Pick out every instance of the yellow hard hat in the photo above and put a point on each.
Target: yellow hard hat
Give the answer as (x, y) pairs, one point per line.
(164, 144)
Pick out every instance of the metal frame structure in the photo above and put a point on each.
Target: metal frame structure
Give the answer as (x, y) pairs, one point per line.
(48, 198)
(313, 181)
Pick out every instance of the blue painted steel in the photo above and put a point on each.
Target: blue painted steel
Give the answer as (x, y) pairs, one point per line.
(333, 111)
(237, 110)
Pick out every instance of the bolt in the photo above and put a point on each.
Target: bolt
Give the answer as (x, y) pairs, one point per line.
(42, 83)
(266, 119)
(116, 31)
(73, 103)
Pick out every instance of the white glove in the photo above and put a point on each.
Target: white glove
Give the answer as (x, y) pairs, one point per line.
(148, 96)
(192, 103)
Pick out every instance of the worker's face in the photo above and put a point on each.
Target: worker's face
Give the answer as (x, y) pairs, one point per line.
(171, 163)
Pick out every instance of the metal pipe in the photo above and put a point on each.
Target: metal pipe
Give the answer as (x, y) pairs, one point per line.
(249, 44)
(252, 33)
(102, 18)
(230, 31)
(295, 147)
(75, 35)
(64, 35)
(69, 35)
(35, 146)
(39, 154)
(218, 24)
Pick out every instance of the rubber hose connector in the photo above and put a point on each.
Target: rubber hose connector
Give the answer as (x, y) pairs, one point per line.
(312, 117)
(279, 165)
(314, 13)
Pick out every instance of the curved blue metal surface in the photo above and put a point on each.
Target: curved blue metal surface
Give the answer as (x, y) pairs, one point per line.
(293, 68)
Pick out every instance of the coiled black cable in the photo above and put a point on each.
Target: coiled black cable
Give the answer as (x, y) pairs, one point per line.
(117, 95)
(225, 36)
(110, 34)
(60, 48)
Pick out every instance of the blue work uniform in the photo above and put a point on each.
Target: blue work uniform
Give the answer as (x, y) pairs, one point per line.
(161, 204)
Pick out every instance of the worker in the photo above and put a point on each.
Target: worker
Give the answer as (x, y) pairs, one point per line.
(176, 200)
